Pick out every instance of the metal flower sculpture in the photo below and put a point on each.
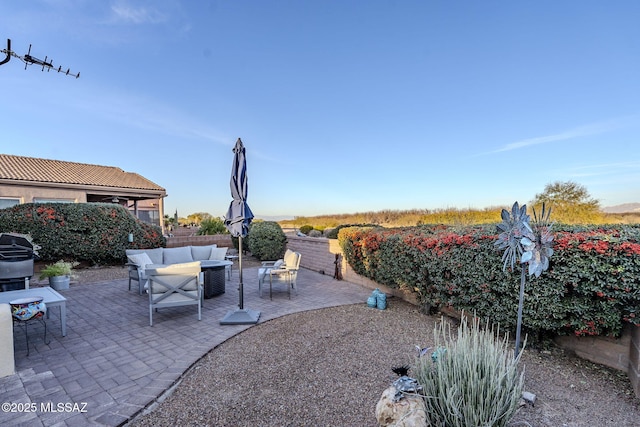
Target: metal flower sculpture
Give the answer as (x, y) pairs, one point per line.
(531, 244)
(514, 226)
(538, 245)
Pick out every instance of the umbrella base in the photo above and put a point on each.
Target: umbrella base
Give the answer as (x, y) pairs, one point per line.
(241, 317)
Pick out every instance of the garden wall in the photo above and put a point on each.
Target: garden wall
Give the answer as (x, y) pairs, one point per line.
(634, 362)
(222, 240)
(319, 254)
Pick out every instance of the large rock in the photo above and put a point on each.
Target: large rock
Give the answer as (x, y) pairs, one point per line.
(406, 412)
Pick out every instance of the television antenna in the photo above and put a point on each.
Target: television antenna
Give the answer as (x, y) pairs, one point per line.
(45, 63)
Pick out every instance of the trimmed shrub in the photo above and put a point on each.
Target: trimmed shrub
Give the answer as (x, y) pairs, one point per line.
(305, 229)
(266, 240)
(469, 381)
(591, 287)
(96, 233)
(315, 233)
(333, 233)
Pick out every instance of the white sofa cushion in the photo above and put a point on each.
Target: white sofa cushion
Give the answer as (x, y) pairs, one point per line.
(177, 255)
(201, 253)
(218, 253)
(291, 259)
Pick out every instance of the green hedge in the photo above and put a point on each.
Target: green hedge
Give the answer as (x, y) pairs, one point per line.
(591, 288)
(266, 240)
(95, 233)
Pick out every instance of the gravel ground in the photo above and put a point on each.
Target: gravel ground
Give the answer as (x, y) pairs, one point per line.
(329, 367)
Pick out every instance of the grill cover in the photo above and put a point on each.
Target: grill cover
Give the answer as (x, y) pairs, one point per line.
(16, 261)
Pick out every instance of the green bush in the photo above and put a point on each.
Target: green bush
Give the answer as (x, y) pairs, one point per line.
(305, 229)
(211, 226)
(59, 268)
(469, 381)
(96, 233)
(315, 233)
(591, 287)
(333, 233)
(266, 240)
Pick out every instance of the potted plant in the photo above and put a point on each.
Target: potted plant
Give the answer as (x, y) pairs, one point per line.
(59, 274)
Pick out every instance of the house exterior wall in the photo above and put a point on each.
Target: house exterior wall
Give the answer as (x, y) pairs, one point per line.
(27, 194)
(31, 193)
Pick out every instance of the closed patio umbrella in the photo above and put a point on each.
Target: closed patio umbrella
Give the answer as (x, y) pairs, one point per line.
(237, 221)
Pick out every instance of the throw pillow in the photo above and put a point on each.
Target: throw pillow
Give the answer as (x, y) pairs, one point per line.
(218, 253)
(200, 253)
(141, 260)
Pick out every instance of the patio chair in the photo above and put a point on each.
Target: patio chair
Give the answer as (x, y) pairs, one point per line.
(174, 286)
(263, 271)
(287, 273)
(137, 262)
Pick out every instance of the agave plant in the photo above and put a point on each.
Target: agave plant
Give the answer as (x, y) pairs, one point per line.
(532, 245)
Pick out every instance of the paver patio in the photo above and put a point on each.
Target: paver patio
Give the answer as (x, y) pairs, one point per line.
(112, 364)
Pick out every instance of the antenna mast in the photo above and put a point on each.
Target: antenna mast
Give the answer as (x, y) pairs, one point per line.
(31, 60)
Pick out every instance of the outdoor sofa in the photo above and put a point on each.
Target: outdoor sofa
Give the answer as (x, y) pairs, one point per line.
(138, 259)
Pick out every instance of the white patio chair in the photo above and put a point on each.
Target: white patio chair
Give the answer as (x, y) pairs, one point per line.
(174, 286)
(267, 266)
(287, 274)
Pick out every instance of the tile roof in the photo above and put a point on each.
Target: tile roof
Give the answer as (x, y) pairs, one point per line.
(33, 169)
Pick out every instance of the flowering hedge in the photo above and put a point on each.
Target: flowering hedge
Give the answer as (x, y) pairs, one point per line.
(592, 286)
(96, 233)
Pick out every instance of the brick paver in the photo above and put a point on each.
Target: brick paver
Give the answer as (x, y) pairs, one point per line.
(112, 364)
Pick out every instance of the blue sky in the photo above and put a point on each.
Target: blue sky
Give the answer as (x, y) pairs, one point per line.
(344, 106)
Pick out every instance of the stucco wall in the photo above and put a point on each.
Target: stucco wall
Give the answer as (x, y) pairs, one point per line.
(26, 194)
(634, 360)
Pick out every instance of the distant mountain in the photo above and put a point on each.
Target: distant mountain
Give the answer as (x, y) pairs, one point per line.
(624, 208)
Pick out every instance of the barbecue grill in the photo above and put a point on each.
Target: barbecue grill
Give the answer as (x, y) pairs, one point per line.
(16, 261)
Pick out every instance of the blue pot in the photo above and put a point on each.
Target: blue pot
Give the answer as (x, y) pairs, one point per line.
(372, 301)
(382, 301)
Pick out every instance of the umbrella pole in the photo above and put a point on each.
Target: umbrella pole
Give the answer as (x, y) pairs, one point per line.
(240, 289)
(241, 316)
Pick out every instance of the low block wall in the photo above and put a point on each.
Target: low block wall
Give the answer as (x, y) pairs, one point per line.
(319, 254)
(634, 360)
(612, 352)
(222, 240)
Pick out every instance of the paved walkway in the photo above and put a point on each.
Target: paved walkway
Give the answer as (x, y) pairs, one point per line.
(112, 364)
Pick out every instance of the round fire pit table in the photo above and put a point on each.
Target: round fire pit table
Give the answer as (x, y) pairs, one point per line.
(214, 277)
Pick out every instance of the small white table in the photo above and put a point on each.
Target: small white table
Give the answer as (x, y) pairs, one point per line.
(51, 298)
